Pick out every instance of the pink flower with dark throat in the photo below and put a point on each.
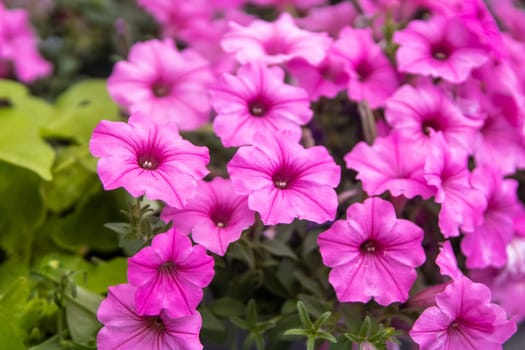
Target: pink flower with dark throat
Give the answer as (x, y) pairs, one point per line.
(125, 329)
(163, 84)
(216, 216)
(147, 158)
(440, 47)
(285, 181)
(170, 275)
(372, 253)
(372, 77)
(257, 99)
(274, 42)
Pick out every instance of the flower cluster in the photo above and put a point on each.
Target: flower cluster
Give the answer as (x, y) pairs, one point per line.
(18, 47)
(441, 104)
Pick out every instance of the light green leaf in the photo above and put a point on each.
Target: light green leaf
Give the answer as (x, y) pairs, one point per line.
(21, 117)
(79, 110)
(9, 332)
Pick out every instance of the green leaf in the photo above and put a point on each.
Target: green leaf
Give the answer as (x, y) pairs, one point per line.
(242, 252)
(278, 248)
(71, 180)
(10, 334)
(13, 301)
(227, 307)
(80, 109)
(303, 315)
(20, 140)
(81, 316)
(22, 211)
(309, 283)
(209, 321)
(84, 227)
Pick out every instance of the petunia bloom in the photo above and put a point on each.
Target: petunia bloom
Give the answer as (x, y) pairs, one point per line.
(447, 172)
(19, 46)
(392, 164)
(125, 329)
(257, 99)
(274, 42)
(170, 275)
(216, 216)
(485, 245)
(163, 84)
(372, 253)
(440, 47)
(372, 77)
(285, 181)
(463, 316)
(418, 112)
(148, 158)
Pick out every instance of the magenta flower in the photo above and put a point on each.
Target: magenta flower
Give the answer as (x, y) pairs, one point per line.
(149, 159)
(18, 45)
(275, 42)
(372, 77)
(163, 84)
(257, 99)
(330, 18)
(284, 181)
(170, 275)
(372, 253)
(417, 113)
(216, 216)
(463, 318)
(326, 79)
(461, 204)
(125, 329)
(486, 245)
(441, 47)
(391, 164)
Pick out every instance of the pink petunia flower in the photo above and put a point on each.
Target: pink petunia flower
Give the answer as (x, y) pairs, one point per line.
(125, 329)
(216, 216)
(463, 316)
(163, 84)
(148, 158)
(507, 283)
(284, 181)
(391, 164)
(18, 45)
(441, 47)
(418, 112)
(170, 275)
(330, 19)
(461, 204)
(485, 246)
(257, 99)
(326, 79)
(275, 42)
(372, 253)
(372, 76)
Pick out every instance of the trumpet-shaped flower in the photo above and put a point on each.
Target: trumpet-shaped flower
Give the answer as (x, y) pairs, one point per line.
(417, 113)
(18, 45)
(461, 205)
(391, 164)
(486, 245)
(441, 47)
(148, 158)
(284, 181)
(170, 275)
(372, 253)
(257, 99)
(274, 42)
(125, 329)
(371, 75)
(463, 316)
(216, 216)
(163, 84)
